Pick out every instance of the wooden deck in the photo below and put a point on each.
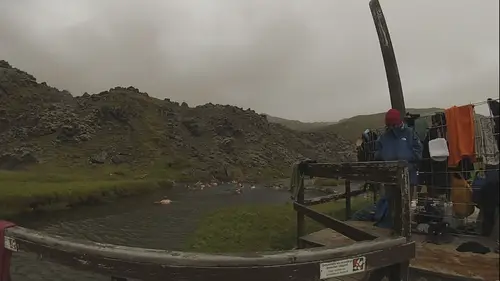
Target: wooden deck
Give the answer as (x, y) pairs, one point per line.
(438, 258)
(354, 277)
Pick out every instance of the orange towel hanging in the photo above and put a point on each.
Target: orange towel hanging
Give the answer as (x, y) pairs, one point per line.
(460, 133)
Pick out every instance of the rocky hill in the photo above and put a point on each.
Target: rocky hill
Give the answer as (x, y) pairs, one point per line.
(351, 128)
(298, 125)
(124, 127)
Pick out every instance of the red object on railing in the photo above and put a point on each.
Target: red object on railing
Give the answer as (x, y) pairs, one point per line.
(5, 254)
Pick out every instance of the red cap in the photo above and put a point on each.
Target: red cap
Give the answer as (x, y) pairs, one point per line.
(393, 117)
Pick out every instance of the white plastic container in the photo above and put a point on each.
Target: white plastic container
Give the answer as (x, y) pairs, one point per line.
(438, 149)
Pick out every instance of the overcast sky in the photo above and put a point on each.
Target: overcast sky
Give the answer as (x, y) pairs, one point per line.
(307, 60)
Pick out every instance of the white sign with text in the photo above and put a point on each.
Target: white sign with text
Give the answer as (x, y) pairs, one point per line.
(342, 267)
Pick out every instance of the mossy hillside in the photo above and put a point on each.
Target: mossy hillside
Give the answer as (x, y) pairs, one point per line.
(124, 128)
(258, 228)
(352, 128)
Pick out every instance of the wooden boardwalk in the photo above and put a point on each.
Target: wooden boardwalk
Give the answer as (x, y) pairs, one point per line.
(438, 258)
(354, 277)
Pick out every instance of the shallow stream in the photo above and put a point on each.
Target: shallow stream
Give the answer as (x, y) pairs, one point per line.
(134, 222)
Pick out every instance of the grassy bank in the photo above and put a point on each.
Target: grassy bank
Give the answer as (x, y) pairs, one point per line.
(52, 187)
(257, 228)
(39, 190)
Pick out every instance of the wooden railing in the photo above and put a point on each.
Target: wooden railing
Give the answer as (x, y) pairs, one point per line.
(394, 175)
(148, 264)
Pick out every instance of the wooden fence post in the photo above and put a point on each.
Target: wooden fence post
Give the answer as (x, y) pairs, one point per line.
(5, 251)
(300, 215)
(347, 199)
(404, 201)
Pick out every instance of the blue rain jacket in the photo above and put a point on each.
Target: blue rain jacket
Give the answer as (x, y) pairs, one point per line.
(400, 144)
(397, 144)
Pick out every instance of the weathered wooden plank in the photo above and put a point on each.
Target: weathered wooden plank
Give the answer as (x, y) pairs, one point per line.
(385, 172)
(434, 262)
(445, 260)
(331, 238)
(424, 274)
(370, 227)
(347, 199)
(354, 277)
(331, 197)
(148, 264)
(327, 237)
(403, 215)
(330, 222)
(301, 219)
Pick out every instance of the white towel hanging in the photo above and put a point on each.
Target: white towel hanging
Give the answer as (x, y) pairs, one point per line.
(438, 149)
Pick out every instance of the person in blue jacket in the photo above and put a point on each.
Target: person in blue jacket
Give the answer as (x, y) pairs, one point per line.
(398, 142)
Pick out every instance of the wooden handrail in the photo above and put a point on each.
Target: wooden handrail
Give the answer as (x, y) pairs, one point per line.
(151, 264)
(331, 197)
(23, 236)
(384, 172)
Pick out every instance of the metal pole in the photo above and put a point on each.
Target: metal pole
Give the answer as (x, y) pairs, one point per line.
(391, 67)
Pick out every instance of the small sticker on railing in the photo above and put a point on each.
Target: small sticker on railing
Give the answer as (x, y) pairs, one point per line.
(342, 267)
(10, 244)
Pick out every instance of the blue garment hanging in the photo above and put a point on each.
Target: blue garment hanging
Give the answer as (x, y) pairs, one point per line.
(382, 216)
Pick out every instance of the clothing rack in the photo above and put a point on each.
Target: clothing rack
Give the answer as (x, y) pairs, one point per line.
(473, 104)
(437, 179)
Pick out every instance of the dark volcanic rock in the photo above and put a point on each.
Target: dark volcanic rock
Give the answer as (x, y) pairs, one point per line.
(124, 125)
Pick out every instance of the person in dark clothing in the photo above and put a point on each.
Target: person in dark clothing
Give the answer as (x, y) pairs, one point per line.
(410, 119)
(398, 142)
(366, 153)
(495, 111)
(366, 150)
(489, 199)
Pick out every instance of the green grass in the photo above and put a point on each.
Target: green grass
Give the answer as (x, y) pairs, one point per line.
(39, 190)
(258, 228)
(327, 182)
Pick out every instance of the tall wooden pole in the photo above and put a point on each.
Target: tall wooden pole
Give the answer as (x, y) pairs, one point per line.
(391, 67)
